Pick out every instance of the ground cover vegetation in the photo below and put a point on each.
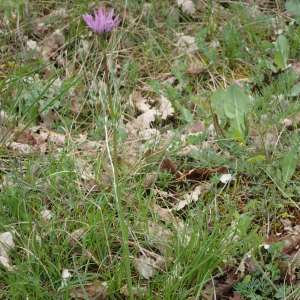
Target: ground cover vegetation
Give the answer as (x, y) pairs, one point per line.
(204, 125)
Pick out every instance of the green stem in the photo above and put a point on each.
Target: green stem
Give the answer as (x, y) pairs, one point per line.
(124, 228)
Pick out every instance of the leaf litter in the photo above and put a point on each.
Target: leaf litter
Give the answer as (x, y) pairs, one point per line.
(188, 182)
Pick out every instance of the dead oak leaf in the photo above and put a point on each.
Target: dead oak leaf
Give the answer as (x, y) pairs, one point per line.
(140, 102)
(57, 138)
(160, 237)
(165, 107)
(169, 166)
(137, 291)
(187, 6)
(95, 291)
(193, 196)
(146, 118)
(185, 43)
(18, 147)
(49, 118)
(5, 262)
(6, 243)
(145, 266)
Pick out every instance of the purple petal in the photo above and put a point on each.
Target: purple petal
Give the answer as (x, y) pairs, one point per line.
(89, 20)
(110, 15)
(102, 23)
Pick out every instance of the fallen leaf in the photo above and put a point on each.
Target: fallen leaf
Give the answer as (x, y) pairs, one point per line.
(57, 138)
(145, 119)
(193, 196)
(145, 266)
(149, 133)
(65, 275)
(186, 151)
(150, 179)
(46, 214)
(140, 102)
(49, 118)
(236, 296)
(137, 291)
(185, 43)
(187, 6)
(165, 107)
(76, 235)
(6, 243)
(168, 165)
(5, 262)
(198, 174)
(95, 291)
(18, 147)
(225, 178)
(196, 68)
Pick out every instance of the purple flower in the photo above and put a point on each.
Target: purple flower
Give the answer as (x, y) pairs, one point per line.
(101, 24)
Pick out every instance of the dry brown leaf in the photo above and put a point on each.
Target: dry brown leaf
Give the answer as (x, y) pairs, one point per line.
(6, 243)
(52, 44)
(163, 213)
(57, 138)
(165, 107)
(196, 68)
(187, 150)
(292, 242)
(18, 147)
(145, 119)
(85, 145)
(85, 170)
(76, 235)
(46, 214)
(289, 228)
(168, 165)
(150, 179)
(81, 138)
(140, 102)
(193, 196)
(49, 118)
(76, 104)
(161, 237)
(197, 127)
(149, 133)
(297, 67)
(5, 262)
(198, 174)
(236, 296)
(95, 291)
(187, 6)
(145, 266)
(137, 291)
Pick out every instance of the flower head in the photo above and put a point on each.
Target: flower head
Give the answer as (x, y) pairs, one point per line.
(101, 24)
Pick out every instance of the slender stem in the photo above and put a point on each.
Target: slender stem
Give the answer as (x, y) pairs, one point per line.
(124, 228)
(110, 103)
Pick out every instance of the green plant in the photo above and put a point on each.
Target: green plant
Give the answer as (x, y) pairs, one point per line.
(254, 289)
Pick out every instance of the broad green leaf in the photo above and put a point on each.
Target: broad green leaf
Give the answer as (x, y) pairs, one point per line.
(289, 166)
(235, 102)
(236, 107)
(199, 112)
(217, 101)
(246, 279)
(186, 114)
(237, 134)
(279, 60)
(293, 6)
(256, 158)
(295, 90)
(282, 51)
